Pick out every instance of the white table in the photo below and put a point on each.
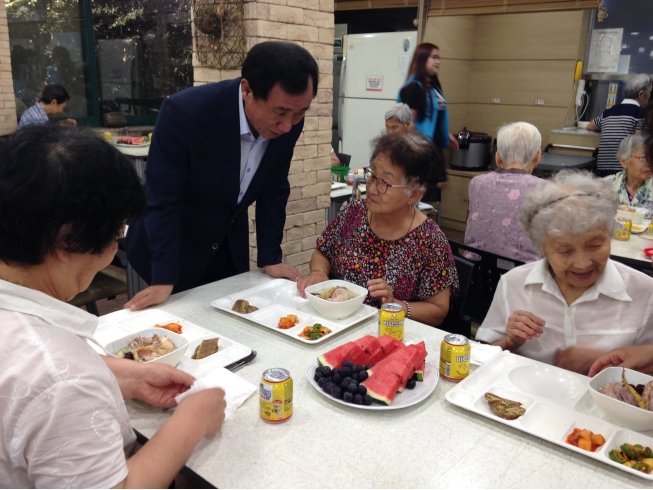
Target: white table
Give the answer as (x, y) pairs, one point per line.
(324, 444)
(138, 154)
(631, 253)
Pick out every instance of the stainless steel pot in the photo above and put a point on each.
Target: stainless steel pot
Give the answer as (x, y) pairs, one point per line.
(474, 151)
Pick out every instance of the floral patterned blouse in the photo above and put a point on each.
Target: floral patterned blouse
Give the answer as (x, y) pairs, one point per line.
(641, 199)
(495, 202)
(416, 266)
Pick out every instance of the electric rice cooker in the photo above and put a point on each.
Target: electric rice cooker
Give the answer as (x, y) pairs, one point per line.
(474, 152)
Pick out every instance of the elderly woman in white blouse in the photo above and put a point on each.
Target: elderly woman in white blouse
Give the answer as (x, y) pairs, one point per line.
(575, 304)
(634, 184)
(65, 195)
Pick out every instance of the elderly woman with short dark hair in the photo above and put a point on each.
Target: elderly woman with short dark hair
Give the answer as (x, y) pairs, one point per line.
(495, 199)
(575, 304)
(399, 119)
(65, 195)
(634, 184)
(384, 243)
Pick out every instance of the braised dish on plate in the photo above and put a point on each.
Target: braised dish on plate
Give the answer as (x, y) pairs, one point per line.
(315, 332)
(145, 349)
(640, 396)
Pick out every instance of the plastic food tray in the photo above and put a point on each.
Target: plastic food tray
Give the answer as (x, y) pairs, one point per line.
(279, 298)
(229, 351)
(556, 402)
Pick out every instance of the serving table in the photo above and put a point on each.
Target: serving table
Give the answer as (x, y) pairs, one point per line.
(325, 444)
(138, 155)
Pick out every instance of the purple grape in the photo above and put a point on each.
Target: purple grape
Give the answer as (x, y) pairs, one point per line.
(358, 399)
(348, 397)
(348, 364)
(326, 370)
(336, 392)
(336, 378)
(328, 386)
(318, 376)
(362, 376)
(346, 371)
(411, 384)
(357, 368)
(361, 390)
(321, 381)
(367, 400)
(352, 388)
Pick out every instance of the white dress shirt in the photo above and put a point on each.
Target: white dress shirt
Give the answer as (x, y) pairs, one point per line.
(63, 419)
(617, 311)
(251, 150)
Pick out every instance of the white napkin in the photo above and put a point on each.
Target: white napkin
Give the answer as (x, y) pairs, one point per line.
(236, 389)
(482, 353)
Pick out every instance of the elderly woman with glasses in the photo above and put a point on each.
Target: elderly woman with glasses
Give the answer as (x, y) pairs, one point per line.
(634, 184)
(384, 243)
(575, 304)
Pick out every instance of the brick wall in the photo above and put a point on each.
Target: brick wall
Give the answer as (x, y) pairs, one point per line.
(8, 121)
(308, 23)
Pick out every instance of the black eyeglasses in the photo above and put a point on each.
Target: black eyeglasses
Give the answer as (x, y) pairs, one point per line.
(381, 185)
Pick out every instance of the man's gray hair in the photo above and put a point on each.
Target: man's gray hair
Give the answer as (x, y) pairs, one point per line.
(630, 143)
(572, 203)
(518, 142)
(400, 112)
(636, 84)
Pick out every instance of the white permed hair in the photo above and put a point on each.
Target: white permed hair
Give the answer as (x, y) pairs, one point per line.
(571, 203)
(630, 143)
(400, 112)
(636, 84)
(518, 142)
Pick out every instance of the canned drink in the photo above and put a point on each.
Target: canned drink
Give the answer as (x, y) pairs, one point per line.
(149, 137)
(649, 229)
(275, 395)
(454, 357)
(391, 320)
(622, 229)
(107, 136)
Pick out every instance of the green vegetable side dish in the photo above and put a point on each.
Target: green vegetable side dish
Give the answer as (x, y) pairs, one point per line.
(315, 332)
(634, 456)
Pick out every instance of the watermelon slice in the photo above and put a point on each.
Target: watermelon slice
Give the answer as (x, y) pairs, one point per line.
(370, 344)
(419, 372)
(389, 344)
(335, 357)
(383, 386)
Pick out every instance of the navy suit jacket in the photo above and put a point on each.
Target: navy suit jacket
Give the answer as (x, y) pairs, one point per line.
(192, 186)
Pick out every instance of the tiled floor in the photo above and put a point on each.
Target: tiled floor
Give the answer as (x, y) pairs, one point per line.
(109, 306)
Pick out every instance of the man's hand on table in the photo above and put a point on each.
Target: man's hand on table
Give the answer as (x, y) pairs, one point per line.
(576, 359)
(156, 384)
(282, 270)
(639, 358)
(150, 296)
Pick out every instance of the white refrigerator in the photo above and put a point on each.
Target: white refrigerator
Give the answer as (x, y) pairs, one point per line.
(373, 70)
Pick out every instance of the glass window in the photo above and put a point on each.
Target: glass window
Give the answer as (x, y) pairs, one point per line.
(144, 52)
(47, 41)
(130, 57)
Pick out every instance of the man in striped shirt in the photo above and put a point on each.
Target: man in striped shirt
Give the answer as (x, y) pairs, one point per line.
(620, 121)
(52, 103)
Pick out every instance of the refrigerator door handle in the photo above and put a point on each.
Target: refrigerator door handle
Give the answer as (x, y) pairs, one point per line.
(341, 95)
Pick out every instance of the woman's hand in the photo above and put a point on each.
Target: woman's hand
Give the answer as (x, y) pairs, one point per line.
(207, 406)
(453, 142)
(523, 326)
(378, 288)
(156, 384)
(639, 358)
(313, 278)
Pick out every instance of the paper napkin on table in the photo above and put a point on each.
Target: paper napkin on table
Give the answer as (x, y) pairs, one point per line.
(236, 389)
(482, 353)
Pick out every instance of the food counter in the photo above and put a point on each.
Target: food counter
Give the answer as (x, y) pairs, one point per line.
(325, 444)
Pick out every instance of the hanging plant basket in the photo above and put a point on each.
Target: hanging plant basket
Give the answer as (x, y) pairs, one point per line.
(219, 33)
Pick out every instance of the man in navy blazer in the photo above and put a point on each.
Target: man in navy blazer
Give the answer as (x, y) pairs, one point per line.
(216, 149)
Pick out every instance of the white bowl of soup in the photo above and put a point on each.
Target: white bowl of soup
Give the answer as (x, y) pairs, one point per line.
(336, 299)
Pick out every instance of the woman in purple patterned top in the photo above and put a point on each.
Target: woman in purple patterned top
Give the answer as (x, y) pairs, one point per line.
(495, 199)
(385, 243)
